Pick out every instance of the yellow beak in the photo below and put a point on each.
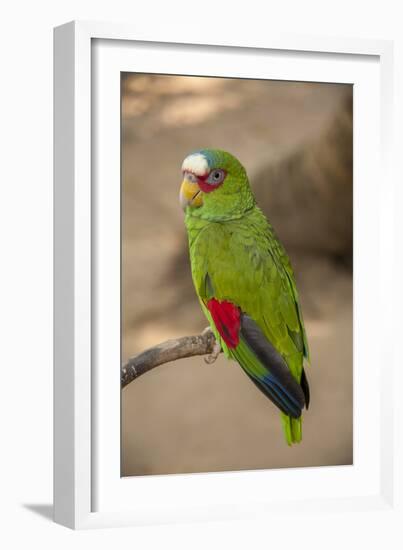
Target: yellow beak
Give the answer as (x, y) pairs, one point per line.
(190, 194)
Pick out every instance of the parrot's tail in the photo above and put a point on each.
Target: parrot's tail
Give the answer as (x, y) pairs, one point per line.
(292, 428)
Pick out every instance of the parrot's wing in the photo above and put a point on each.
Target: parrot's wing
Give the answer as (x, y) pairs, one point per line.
(274, 379)
(282, 261)
(257, 356)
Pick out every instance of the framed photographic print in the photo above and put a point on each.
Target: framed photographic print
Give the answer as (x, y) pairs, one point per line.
(222, 211)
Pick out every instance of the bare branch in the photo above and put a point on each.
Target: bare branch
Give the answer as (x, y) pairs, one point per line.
(171, 350)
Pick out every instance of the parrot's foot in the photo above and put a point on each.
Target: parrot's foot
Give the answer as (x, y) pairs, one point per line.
(210, 359)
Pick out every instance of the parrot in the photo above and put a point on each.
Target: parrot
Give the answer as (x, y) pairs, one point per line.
(245, 282)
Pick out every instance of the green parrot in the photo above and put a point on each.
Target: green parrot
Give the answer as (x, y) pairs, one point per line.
(245, 283)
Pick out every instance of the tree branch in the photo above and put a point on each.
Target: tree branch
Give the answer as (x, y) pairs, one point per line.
(171, 350)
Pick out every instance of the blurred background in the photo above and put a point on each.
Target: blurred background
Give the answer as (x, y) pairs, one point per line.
(295, 141)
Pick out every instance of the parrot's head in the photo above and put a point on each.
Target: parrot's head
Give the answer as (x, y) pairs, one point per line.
(214, 185)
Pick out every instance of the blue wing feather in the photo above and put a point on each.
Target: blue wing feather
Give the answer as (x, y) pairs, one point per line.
(267, 369)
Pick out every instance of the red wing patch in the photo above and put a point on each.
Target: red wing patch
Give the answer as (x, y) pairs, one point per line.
(227, 319)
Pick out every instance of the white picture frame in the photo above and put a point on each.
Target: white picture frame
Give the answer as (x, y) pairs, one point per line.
(88, 490)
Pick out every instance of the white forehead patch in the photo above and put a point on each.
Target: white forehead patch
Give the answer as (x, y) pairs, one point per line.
(196, 163)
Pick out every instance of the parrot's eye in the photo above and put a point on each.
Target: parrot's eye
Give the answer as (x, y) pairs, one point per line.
(216, 177)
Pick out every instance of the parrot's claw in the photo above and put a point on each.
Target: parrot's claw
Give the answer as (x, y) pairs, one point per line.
(210, 359)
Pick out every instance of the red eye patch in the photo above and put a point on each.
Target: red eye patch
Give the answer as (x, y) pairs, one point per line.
(212, 180)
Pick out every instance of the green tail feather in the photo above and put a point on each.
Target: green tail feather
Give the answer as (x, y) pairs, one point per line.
(292, 429)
